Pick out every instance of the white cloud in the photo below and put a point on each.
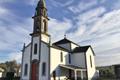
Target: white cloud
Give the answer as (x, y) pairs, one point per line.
(115, 5)
(3, 11)
(82, 6)
(13, 34)
(105, 60)
(6, 1)
(57, 3)
(31, 2)
(103, 1)
(11, 56)
(15, 56)
(59, 28)
(94, 13)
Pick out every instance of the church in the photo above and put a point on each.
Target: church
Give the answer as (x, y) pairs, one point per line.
(61, 60)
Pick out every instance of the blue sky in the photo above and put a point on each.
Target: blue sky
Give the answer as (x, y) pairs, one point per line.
(86, 22)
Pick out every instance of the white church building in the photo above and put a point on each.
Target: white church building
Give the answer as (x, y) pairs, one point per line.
(62, 60)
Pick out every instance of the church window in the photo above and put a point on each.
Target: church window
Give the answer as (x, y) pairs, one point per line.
(91, 61)
(69, 57)
(44, 13)
(45, 25)
(44, 69)
(26, 69)
(61, 57)
(35, 48)
(54, 75)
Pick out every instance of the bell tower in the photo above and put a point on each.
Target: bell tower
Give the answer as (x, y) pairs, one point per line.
(41, 18)
(40, 42)
(40, 30)
(41, 21)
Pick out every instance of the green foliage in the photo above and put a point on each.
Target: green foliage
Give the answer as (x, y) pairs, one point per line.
(10, 66)
(106, 73)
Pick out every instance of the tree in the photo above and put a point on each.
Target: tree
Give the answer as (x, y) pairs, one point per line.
(10, 66)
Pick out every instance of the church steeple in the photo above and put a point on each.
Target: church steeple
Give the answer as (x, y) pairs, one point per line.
(41, 8)
(41, 18)
(41, 3)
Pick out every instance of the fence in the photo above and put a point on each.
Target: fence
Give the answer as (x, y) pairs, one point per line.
(15, 78)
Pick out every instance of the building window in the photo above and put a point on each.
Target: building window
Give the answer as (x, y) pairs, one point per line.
(61, 57)
(43, 69)
(45, 26)
(35, 48)
(44, 13)
(91, 61)
(69, 57)
(25, 69)
(54, 75)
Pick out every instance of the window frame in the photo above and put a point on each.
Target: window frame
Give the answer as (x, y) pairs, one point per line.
(69, 58)
(45, 26)
(43, 69)
(61, 56)
(91, 61)
(35, 48)
(25, 69)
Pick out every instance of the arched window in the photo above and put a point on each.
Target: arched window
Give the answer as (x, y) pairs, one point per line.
(26, 70)
(69, 57)
(35, 48)
(54, 75)
(45, 26)
(61, 57)
(44, 69)
(91, 61)
(44, 13)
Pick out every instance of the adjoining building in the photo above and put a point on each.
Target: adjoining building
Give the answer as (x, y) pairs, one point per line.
(1, 72)
(64, 59)
(117, 71)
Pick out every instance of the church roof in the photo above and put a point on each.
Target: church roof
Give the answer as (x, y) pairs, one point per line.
(72, 67)
(63, 41)
(80, 49)
(60, 48)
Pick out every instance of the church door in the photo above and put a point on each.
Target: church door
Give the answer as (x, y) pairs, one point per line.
(54, 75)
(70, 74)
(35, 71)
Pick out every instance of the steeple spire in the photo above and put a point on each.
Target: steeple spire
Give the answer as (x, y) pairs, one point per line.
(41, 18)
(41, 8)
(41, 4)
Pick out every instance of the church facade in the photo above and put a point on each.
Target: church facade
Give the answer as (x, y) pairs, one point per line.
(62, 60)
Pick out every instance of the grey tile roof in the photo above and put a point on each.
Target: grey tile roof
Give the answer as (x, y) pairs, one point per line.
(58, 47)
(73, 67)
(80, 49)
(63, 41)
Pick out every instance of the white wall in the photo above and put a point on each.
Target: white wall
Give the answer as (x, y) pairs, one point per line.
(26, 60)
(55, 61)
(91, 70)
(44, 58)
(45, 38)
(0, 74)
(78, 59)
(73, 46)
(35, 40)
